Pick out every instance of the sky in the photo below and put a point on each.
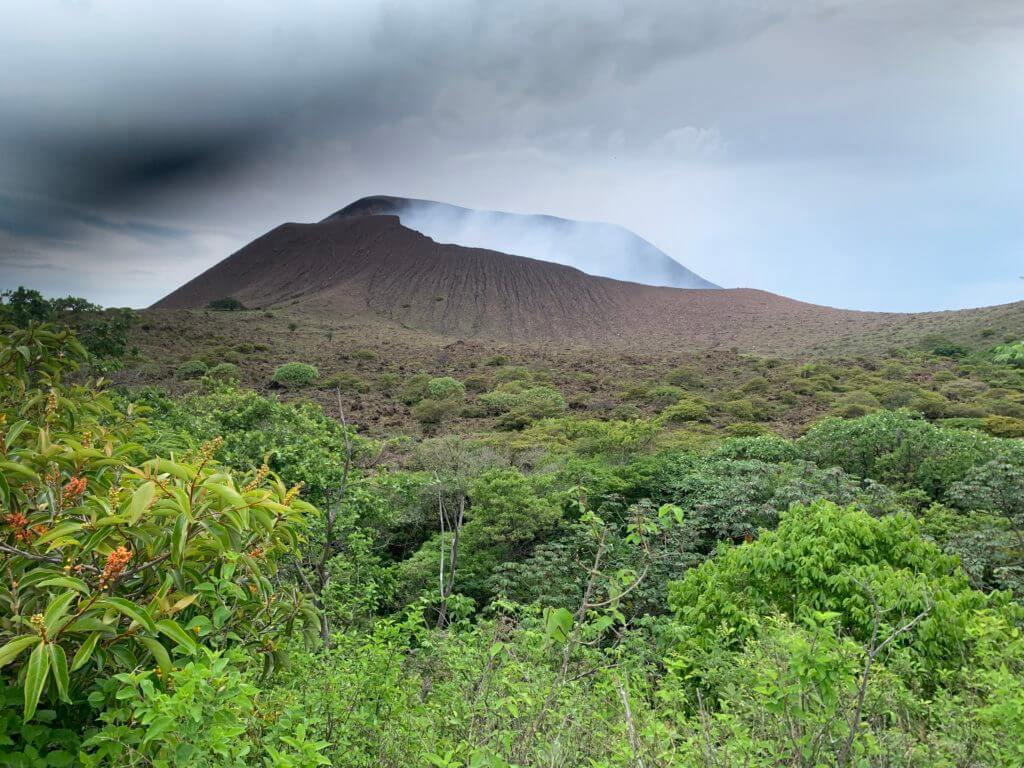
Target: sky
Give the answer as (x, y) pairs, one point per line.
(864, 154)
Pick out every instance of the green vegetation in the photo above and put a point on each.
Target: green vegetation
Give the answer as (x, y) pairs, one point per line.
(295, 375)
(227, 304)
(565, 568)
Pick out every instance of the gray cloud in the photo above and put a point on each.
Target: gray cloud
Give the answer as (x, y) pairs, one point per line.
(823, 148)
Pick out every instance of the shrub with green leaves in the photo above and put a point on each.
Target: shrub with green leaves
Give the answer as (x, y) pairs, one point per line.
(690, 409)
(295, 375)
(224, 372)
(116, 558)
(446, 388)
(1010, 354)
(518, 404)
(191, 369)
(227, 304)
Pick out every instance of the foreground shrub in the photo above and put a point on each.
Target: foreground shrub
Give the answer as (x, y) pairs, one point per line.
(295, 375)
(118, 559)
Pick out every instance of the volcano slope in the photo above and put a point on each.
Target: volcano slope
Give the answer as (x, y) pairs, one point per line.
(372, 269)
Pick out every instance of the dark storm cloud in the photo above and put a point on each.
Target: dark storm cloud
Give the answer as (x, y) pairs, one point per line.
(34, 219)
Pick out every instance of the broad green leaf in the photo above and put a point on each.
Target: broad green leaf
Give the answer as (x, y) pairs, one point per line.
(141, 500)
(558, 624)
(132, 611)
(173, 631)
(59, 665)
(179, 538)
(59, 531)
(68, 582)
(170, 467)
(229, 495)
(85, 652)
(160, 725)
(163, 659)
(19, 469)
(13, 649)
(56, 610)
(35, 678)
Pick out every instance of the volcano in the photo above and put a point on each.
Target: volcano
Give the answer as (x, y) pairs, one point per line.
(363, 265)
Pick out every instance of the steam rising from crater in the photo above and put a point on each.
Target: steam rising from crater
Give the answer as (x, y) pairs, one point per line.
(599, 249)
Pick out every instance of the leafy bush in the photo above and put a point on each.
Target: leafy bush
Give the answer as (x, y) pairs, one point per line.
(518, 405)
(1003, 426)
(191, 369)
(226, 304)
(363, 353)
(687, 410)
(117, 558)
(1010, 354)
(415, 389)
(687, 377)
(224, 372)
(446, 388)
(295, 375)
(902, 449)
(880, 573)
(430, 412)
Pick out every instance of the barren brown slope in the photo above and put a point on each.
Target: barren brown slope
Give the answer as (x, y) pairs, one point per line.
(373, 268)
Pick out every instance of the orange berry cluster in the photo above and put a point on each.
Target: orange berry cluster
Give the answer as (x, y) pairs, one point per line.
(73, 490)
(116, 561)
(19, 523)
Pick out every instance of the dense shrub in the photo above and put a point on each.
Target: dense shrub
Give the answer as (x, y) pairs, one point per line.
(687, 410)
(227, 304)
(295, 375)
(224, 372)
(904, 450)
(518, 405)
(1010, 354)
(446, 388)
(414, 389)
(1003, 426)
(191, 369)
(117, 558)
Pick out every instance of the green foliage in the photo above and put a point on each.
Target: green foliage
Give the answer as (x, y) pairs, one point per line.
(191, 369)
(297, 441)
(901, 449)
(227, 304)
(224, 372)
(295, 375)
(430, 412)
(1010, 354)
(446, 388)
(202, 715)
(118, 557)
(362, 353)
(1003, 426)
(518, 405)
(874, 574)
(104, 334)
(691, 409)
